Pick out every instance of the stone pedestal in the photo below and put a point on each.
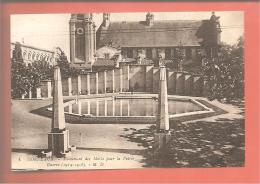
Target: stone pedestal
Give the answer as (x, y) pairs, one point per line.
(161, 140)
(58, 143)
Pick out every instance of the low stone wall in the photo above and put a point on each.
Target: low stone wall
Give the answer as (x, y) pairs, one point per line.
(128, 78)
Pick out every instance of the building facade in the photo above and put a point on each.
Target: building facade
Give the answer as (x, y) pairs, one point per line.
(30, 54)
(142, 42)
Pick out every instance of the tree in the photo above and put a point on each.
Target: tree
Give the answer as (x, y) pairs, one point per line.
(26, 78)
(65, 68)
(226, 72)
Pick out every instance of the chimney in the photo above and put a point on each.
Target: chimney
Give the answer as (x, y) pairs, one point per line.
(149, 19)
(106, 19)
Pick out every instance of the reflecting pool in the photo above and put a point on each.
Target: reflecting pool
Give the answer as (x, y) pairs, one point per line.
(128, 107)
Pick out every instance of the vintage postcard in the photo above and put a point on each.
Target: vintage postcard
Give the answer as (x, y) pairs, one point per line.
(127, 90)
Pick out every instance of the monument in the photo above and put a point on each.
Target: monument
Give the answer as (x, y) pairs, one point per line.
(162, 135)
(58, 138)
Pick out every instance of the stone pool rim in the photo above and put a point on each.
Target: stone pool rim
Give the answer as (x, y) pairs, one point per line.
(189, 116)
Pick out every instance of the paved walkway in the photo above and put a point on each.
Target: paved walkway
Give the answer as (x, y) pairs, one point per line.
(99, 145)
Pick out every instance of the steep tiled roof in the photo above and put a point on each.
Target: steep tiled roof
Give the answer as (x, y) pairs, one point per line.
(159, 34)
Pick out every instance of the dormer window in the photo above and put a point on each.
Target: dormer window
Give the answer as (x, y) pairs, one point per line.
(106, 55)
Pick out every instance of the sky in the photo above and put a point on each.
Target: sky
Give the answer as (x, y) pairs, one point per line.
(48, 31)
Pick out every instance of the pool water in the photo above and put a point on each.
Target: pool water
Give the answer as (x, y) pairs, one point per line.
(128, 107)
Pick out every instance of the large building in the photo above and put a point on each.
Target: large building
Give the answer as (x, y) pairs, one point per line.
(30, 54)
(140, 42)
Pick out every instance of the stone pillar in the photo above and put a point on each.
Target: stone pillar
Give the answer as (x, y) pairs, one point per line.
(30, 94)
(97, 108)
(148, 78)
(88, 83)
(79, 107)
(105, 108)
(128, 108)
(105, 81)
(155, 79)
(180, 83)
(23, 96)
(69, 87)
(154, 53)
(163, 115)
(113, 81)
(188, 84)
(88, 107)
(79, 85)
(113, 107)
(58, 139)
(49, 89)
(197, 85)
(171, 84)
(121, 79)
(70, 108)
(162, 135)
(96, 82)
(38, 93)
(121, 107)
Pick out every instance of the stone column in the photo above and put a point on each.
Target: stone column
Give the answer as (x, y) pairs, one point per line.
(38, 93)
(163, 116)
(58, 139)
(121, 107)
(105, 81)
(97, 108)
(188, 84)
(79, 84)
(128, 108)
(79, 107)
(162, 136)
(30, 94)
(69, 87)
(96, 82)
(88, 107)
(49, 89)
(105, 108)
(88, 83)
(70, 108)
(113, 107)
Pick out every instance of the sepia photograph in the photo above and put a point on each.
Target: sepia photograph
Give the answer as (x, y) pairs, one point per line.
(127, 90)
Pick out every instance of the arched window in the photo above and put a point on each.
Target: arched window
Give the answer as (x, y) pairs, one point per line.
(33, 56)
(37, 57)
(29, 56)
(41, 57)
(24, 55)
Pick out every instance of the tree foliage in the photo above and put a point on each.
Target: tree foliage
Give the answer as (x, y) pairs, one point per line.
(226, 72)
(25, 78)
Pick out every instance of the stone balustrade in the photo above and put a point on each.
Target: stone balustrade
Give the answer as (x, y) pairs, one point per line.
(127, 78)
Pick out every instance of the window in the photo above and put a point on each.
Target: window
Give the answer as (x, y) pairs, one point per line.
(167, 53)
(188, 53)
(149, 53)
(106, 55)
(129, 53)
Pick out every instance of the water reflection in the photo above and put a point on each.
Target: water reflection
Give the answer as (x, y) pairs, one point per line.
(127, 107)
